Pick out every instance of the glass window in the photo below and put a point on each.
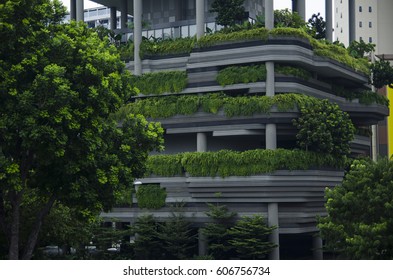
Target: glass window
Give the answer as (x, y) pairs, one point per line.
(370, 24)
(211, 26)
(360, 9)
(192, 30)
(360, 38)
(370, 9)
(167, 33)
(150, 33)
(370, 39)
(176, 32)
(184, 31)
(360, 24)
(158, 33)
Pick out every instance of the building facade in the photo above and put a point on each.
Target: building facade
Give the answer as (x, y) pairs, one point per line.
(290, 198)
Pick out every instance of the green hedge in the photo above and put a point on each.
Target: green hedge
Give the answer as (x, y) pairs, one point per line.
(160, 82)
(293, 71)
(169, 106)
(241, 74)
(151, 196)
(167, 46)
(366, 97)
(232, 163)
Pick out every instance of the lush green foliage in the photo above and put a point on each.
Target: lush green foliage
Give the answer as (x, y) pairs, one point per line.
(60, 83)
(177, 237)
(164, 165)
(324, 128)
(169, 106)
(250, 238)
(150, 196)
(382, 74)
(286, 18)
(293, 71)
(157, 47)
(317, 26)
(147, 245)
(217, 233)
(366, 97)
(241, 74)
(359, 49)
(221, 37)
(226, 163)
(360, 212)
(228, 12)
(160, 82)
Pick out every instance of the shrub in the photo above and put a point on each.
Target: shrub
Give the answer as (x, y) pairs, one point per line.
(324, 128)
(151, 196)
(160, 82)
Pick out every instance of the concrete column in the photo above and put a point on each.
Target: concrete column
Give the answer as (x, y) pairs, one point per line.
(73, 9)
(352, 20)
(274, 236)
(271, 136)
(80, 11)
(269, 14)
(201, 142)
(270, 88)
(271, 129)
(200, 18)
(137, 36)
(202, 243)
(113, 19)
(301, 8)
(124, 12)
(329, 20)
(317, 245)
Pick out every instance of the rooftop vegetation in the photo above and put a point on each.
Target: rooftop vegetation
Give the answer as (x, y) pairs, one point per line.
(186, 45)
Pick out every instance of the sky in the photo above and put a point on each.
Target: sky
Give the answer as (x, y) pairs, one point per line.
(312, 6)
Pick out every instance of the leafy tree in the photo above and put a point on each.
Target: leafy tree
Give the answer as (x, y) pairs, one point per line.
(229, 12)
(60, 83)
(359, 49)
(250, 238)
(324, 128)
(317, 26)
(286, 18)
(148, 245)
(217, 231)
(382, 74)
(177, 237)
(360, 212)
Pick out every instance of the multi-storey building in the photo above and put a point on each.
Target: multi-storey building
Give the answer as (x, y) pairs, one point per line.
(290, 198)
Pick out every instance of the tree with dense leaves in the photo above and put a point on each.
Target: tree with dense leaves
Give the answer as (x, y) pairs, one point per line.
(177, 237)
(216, 231)
(382, 74)
(286, 18)
(359, 223)
(250, 238)
(59, 84)
(148, 245)
(324, 128)
(360, 49)
(317, 26)
(229, 12)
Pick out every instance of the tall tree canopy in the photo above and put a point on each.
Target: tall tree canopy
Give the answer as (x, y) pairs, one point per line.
(359, 224)
(229, 12)
(59, 84)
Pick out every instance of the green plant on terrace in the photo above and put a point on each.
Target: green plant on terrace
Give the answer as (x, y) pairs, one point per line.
(151, 196)
(241, 74)
(293, 71)
(169, 106)
(366, 97)
(226, 163)
(154, 47)
(160, 82)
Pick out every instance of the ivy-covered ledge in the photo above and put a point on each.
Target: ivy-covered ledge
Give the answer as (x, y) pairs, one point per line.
(232, 163)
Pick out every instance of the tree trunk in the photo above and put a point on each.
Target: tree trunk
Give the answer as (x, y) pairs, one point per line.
(33, 237)
(3, 225)
(13, 253)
